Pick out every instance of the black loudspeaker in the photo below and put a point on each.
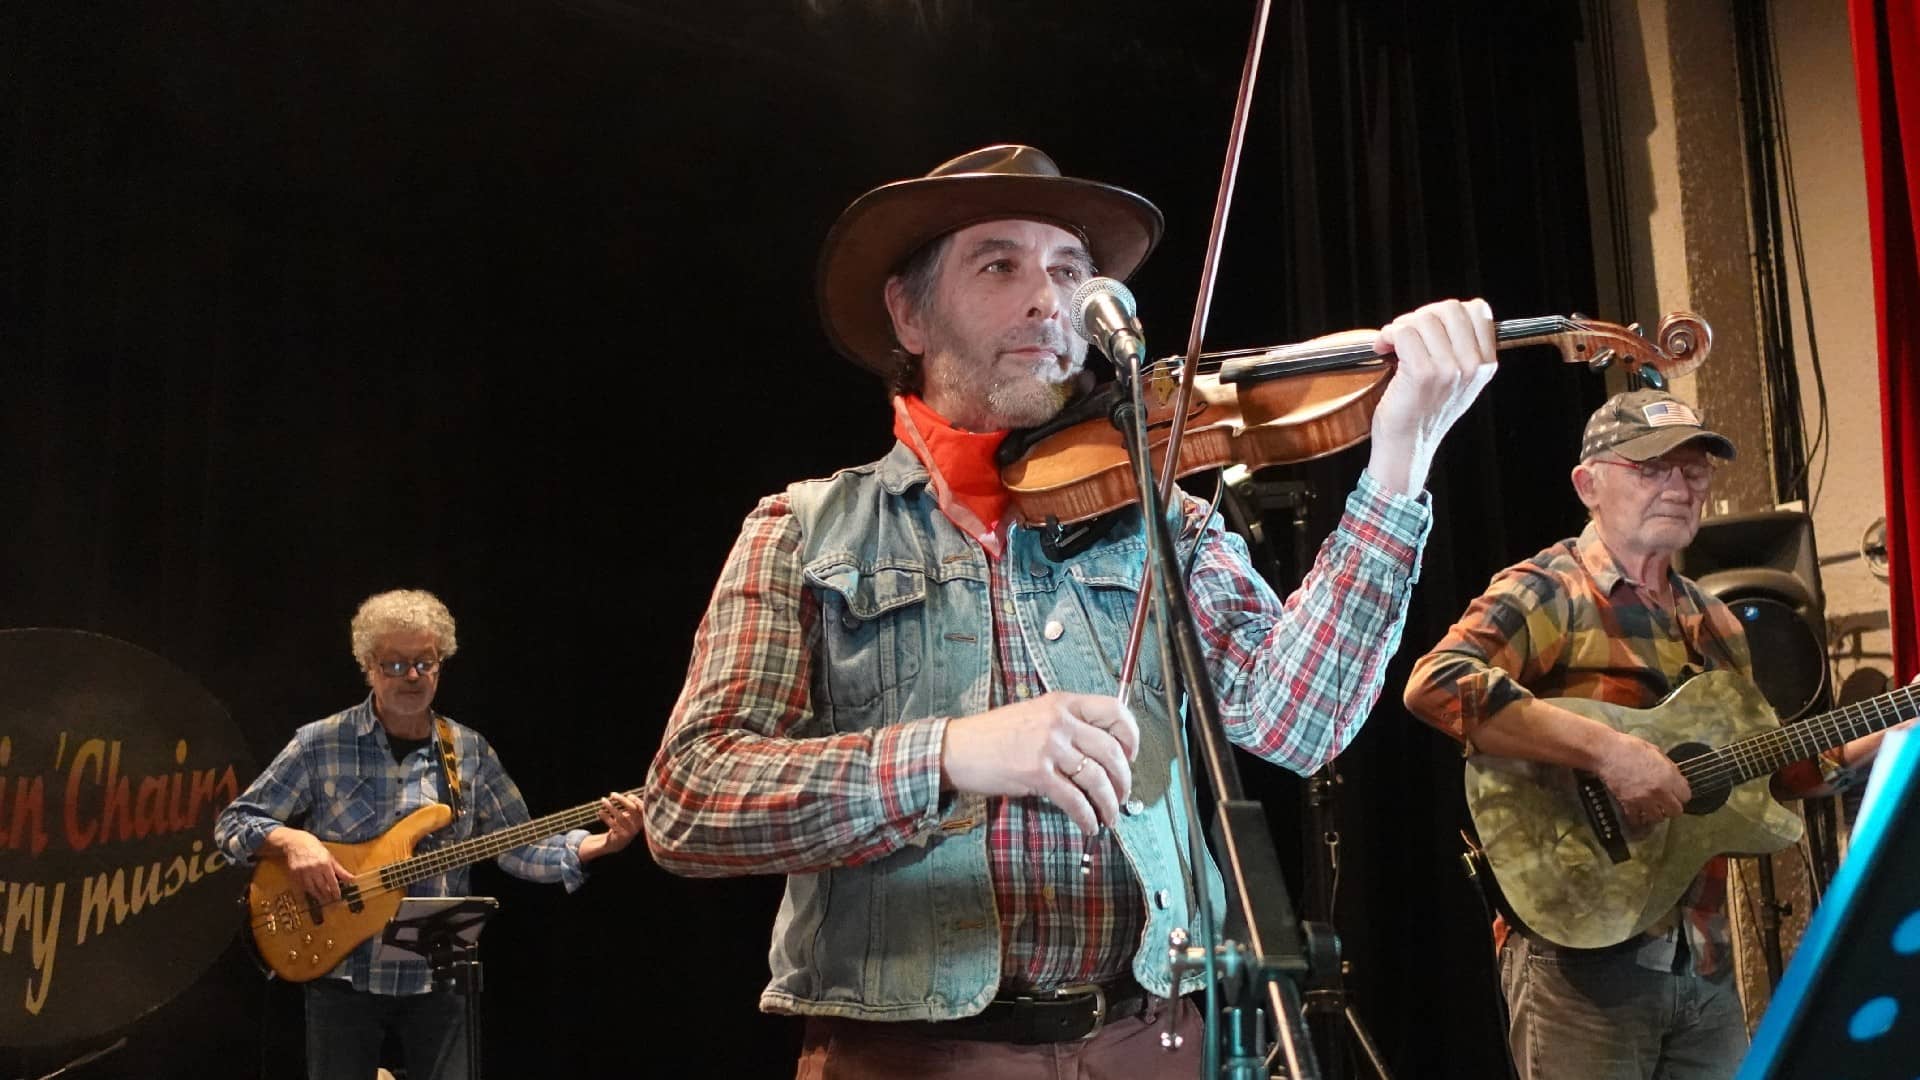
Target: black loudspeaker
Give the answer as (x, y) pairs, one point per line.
(1763, 565)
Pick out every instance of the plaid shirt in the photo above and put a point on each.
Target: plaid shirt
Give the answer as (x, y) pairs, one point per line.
(746, 782)
(338, 779)
(1569, 623)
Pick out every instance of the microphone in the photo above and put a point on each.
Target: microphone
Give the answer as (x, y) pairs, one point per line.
(1103, 313)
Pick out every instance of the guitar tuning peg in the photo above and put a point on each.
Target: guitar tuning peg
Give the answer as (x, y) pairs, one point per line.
(1577, 315)
(1635, 327)
(1601, 360)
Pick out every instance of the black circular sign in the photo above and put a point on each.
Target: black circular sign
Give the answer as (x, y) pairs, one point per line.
(113, 764)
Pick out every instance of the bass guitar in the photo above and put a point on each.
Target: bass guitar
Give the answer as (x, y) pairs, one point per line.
(1568, 868)
(300, 938)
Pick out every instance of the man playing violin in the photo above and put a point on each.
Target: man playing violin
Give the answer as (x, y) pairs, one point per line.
(1605, 616)
(898, 700)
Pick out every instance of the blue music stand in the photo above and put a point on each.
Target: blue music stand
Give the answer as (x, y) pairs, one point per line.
(1848, 1007)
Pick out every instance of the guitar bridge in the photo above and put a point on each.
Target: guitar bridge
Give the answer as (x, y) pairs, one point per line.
(282, 914)
(1602, 815)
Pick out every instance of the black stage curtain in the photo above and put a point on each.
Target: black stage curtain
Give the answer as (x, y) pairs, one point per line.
(512, 301)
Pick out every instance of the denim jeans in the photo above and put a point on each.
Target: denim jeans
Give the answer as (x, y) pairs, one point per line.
(345, 1029)
(1601, 1016)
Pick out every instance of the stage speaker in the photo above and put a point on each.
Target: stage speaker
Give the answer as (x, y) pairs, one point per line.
(1763, 565)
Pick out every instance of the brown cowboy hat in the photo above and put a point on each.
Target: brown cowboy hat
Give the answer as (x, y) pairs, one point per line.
(886, 225)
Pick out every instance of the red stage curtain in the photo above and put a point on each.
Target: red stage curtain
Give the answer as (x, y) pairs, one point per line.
(1886, 63)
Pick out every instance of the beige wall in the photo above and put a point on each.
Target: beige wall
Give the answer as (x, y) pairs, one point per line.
(1823, 126)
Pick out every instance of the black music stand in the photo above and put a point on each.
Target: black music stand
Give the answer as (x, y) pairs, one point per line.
(1849, 1004)
(446, 930)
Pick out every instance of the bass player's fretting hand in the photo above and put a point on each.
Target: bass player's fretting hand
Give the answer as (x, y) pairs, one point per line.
(622, 815)
(308, 861)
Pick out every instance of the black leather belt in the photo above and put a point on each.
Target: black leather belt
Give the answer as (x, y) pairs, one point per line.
(1063, 1015)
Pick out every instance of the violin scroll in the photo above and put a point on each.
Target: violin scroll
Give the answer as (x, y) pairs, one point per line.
(1679, 345)
(1686, 339)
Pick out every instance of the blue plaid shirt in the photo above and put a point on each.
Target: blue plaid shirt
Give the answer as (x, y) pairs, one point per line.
(337, 779)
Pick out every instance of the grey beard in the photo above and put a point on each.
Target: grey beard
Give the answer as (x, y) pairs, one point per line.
(1027, 403)
(1002, 402)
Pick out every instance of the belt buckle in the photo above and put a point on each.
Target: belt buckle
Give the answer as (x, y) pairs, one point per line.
(1099, 1003)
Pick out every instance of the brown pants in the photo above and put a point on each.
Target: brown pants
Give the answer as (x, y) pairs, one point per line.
(836, 1049)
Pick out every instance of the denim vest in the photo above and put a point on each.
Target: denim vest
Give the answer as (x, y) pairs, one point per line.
(906, 632)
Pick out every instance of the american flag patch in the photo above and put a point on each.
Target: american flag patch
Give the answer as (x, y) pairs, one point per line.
(1663, 413)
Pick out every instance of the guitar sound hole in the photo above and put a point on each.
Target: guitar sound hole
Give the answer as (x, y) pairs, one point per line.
(1707, 798)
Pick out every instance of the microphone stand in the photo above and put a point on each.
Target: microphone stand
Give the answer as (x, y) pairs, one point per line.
(1261, 954)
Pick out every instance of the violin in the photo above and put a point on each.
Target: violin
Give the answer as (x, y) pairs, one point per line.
(1282, 405)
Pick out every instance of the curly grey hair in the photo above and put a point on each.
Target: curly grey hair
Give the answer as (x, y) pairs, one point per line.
(401, 610)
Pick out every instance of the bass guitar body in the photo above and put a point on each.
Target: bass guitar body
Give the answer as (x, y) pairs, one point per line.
(300, 938)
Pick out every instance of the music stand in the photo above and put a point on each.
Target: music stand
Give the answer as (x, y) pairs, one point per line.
(1849, 1004)
(446, 930)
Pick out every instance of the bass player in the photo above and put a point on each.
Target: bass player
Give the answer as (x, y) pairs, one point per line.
(351, 776)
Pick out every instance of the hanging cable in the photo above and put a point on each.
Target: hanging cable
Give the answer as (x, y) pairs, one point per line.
(1766, 160)
(1821, 444)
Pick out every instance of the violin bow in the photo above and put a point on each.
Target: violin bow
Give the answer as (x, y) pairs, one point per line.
(1292, 1043)
(1202, 305)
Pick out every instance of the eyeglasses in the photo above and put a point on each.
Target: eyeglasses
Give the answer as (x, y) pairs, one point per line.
(399, 668)
(1698, 474)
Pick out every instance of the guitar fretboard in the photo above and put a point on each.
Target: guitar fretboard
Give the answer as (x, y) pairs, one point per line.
(398, 875)
(1736, 763)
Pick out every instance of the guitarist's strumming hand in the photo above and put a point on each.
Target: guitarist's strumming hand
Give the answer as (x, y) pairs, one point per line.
(1648, 787)
(1644, 780)
(308, 862)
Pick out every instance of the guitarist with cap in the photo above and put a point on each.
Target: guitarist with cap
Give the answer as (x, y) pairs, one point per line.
(1603, 616)
(354, 776)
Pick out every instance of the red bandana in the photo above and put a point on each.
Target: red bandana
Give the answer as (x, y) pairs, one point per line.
(960, 467)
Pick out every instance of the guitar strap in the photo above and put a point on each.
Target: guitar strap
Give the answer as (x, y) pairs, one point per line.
(449, 763)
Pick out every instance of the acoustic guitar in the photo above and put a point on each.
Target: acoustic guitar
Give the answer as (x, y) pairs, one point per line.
(1568, 868)
(300, 938)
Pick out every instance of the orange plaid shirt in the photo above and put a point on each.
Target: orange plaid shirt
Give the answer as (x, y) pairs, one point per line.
(1569, 623)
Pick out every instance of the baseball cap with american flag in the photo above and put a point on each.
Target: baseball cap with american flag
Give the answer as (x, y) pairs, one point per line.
(1643, 424)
